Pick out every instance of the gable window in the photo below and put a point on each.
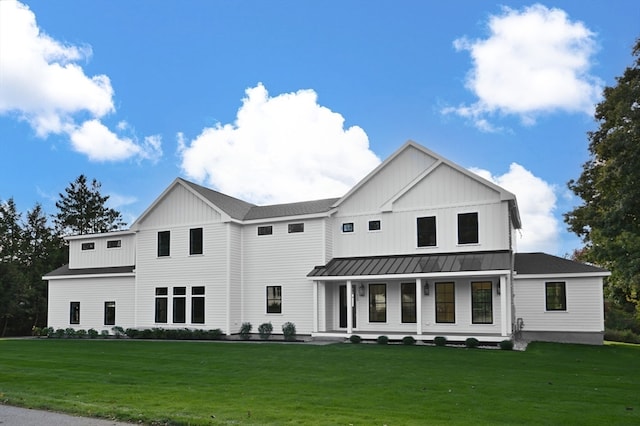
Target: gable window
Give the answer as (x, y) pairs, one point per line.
(274, 299)
(161, 304)
(114, 243)
(426, 231)
(468, 228)
(377, 303)
(482, 302)
(195, 241)
(109, 313)
(295, 227)
(265, 230)
(88, 246)
(556, 296)
(445, 303)
(347, 227)
(374, 225)
(408, 300)
(74, 313)
(179, 304)
(164, 240)
(197, 305)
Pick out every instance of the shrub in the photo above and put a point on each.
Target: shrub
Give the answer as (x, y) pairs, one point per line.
(132, 333)
(117, 331)
(440, 341)
(59, 333)
(147, 333)
(506, 345)
(265, 330)
(626, 336)
(36, 331)
(93, 333)
(81, 333)
(104, 333)
(355, 338)
(408, 340)
(70, 332)
(383, 340)
(245, 330)
(471, 342)
(48, 331)
(215, 334)
(289, 331)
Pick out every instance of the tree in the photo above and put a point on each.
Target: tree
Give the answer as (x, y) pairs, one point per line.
(608, 221)
(82, 210)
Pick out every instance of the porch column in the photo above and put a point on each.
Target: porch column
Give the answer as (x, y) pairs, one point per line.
(349, 308)
(316, 310)
(504, 306)
(418, 305)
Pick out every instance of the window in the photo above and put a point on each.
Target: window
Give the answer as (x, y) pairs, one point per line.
(377, 303)
(482, 302)
(161, 304)
(74, 313)
(179, 304)
(468, 228)
(445, 303)
(109, 313)
(164, 238)
(114, 243)
(295, 227)
(197, 305)
(195, 241)
(265, 230)
(374, 225)
(88, 246)
(274, 299)
(556, 296)
(408, 300)
(347, 227)
(426, 231)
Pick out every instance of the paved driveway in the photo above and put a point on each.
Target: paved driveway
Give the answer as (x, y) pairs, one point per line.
(15, 416)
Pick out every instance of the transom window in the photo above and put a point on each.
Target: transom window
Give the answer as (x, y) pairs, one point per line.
(426, 231)
(445, 303)
(482, 302)
(408, 300)
(88, 246)
(114, 243)
(374, 225)
(164, 242)
(195, 241)
(347, 227)
(377, 303)
(556, 296)
(265, 230)
(274, 299)
(468, 228)
(295, 228)
(161, 304)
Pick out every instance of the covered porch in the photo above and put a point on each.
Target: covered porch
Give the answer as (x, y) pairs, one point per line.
(455, 295)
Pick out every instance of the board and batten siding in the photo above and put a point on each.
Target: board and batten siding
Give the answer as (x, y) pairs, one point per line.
(281, 259)
(585, 311)
(102, 256)
(92, 293)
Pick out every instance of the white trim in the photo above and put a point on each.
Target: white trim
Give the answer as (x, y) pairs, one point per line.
(99, 235)
(517, 276)
(411, 276)
(67, 277)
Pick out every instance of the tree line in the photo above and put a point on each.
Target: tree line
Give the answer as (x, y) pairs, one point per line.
(32, 244)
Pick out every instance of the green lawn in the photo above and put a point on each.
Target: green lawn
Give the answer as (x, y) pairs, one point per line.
(366, 384)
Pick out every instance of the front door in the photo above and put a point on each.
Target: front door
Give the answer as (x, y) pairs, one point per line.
(343, 305)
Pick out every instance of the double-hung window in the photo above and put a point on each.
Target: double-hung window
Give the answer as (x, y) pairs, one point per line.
(179, 305)
(482, 302)
(274, 299)
(377, 303)
(195, 241)
(556, 296)
(197, 305)
(445, 303)
(74, 313)
(468, 228)
(161, 304)
(164, 243)
(109, 313)
(408, 300)
(426, 231)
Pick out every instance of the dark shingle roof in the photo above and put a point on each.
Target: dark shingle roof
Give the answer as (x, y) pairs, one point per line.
(414, 264)
(542, 263)
(65, 271)
(234, 207)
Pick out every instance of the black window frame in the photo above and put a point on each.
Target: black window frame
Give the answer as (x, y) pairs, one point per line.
(408, 302)
(196, 241)
(375, 225)
(274, 299)
(162, 306)
(555, 296)
(74, 312)
(468, 225)
(265, 230)
(197, 305)
(114, 244)
(295, 228)
(426, 231)
(164, 243)
(482, 302)
(377, 306)
(348, 227)
(110, 313)
(88, 246)
(179, 305)
(445, 302)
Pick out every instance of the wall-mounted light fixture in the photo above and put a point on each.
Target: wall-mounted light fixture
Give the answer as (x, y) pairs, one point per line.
(426, 288)
(361, 290)
(498, 289)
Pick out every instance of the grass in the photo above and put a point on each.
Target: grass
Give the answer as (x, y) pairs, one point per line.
(180, 383)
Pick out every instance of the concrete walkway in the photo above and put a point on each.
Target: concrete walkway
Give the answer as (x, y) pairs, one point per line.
(16, 416)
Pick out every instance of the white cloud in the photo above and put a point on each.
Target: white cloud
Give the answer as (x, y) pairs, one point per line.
(534, 61)
(43, 85)
(280, 149)
(537, 203)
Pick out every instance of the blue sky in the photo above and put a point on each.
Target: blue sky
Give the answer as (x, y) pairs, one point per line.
(285, 101)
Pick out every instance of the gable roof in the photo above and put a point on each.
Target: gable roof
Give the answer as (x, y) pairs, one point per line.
(542, 263)
(234, 207)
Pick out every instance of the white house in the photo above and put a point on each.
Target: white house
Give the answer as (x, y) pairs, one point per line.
(420, 247)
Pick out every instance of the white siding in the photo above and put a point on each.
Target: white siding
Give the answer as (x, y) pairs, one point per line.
(101, 256)
(91, 293)
(235, 274)
(584, 305)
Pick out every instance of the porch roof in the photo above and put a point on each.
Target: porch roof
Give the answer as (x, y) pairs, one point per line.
(414, 264)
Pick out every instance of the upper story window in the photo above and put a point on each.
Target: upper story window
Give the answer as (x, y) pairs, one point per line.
(556, 296)
(374, 225)
(88, 246)
(295, 227)
(265, 230)
(347, 227)
(164, 240)
(114, 243)
(468, 228)
(426, 231)
(195, 241)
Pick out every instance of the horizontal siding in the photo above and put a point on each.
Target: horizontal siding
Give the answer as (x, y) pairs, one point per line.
(91, 293)
(235, 286)
(584, 305)
(101, 256)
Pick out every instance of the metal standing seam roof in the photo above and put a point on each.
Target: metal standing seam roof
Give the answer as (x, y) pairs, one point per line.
(66, 271)
(414, 264)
